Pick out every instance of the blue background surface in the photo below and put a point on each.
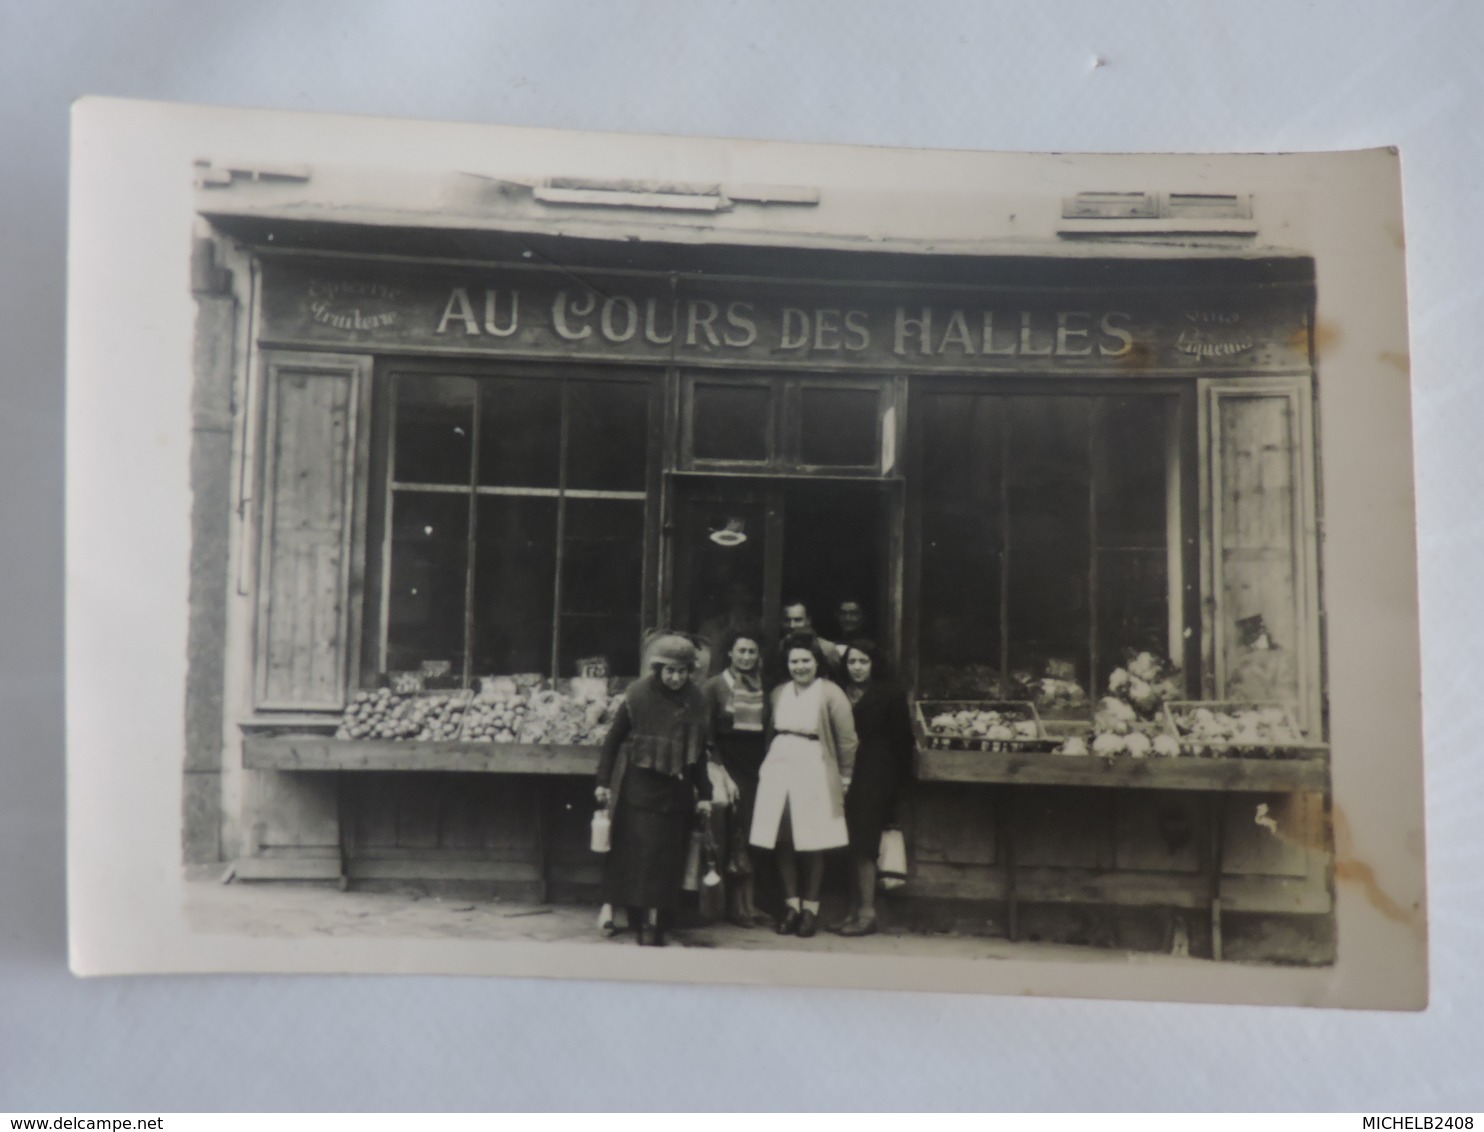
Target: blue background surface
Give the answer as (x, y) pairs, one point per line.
(1262, 75)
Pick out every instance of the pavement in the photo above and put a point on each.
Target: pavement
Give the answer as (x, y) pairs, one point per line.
(295, 910)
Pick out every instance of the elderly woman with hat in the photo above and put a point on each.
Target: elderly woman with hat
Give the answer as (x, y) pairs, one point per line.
(652, 777)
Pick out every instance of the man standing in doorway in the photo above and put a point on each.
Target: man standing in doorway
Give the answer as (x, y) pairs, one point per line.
(850, 615)
(796, 619)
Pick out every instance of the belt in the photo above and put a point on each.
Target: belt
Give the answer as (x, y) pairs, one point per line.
(801, 734)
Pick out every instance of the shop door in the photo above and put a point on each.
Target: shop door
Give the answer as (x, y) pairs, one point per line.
(743, 551)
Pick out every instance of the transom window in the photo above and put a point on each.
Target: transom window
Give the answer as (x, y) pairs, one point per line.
(817, 424)
(515, 530)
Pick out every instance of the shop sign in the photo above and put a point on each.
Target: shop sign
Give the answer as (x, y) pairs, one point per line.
(542, 313)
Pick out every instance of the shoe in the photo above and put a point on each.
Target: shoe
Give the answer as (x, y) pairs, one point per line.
(859, 928)
(839, 926)
(657, 937)
(641, 934)
(761, 919)
(808, 924)
(789, 924)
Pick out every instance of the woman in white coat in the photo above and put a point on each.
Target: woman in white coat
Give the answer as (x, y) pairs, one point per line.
(800, 807)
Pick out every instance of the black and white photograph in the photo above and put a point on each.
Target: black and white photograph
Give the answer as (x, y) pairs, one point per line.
(671, 559)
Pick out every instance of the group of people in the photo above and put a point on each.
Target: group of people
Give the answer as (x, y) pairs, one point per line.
(812, 764)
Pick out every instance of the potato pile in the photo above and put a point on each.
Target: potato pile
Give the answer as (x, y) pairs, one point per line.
(525, 714)
(383, 714)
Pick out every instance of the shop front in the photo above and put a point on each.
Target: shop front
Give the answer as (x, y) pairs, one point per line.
(466, 486)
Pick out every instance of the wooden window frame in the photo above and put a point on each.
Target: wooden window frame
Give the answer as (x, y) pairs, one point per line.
(388, 370)
(785, 423)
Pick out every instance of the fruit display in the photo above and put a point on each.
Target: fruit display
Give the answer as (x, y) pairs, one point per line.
(505, 710)
(1235, 730)
(981, 725)
(558, 717)
(384, 714)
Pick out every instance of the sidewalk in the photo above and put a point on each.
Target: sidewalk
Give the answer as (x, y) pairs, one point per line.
(294, 910)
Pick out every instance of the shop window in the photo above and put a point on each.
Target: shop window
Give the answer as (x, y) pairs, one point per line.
(1048, 525)
(787, 425)
(516, 525)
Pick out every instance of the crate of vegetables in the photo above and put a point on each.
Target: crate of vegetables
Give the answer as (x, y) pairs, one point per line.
(1227, 729)
(982, 725)
(385, 714)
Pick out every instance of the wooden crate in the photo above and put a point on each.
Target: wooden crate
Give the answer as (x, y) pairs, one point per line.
(1299, 748)
(1015, 709)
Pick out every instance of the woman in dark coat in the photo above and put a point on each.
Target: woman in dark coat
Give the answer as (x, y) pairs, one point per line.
(737, 713)
(652, 777)
(882, 768)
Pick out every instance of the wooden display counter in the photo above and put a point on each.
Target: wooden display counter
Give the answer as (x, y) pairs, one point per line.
(1214, 778)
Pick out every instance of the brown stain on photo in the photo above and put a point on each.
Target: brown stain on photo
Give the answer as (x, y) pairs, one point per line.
(1140, 355)
(1403, 362)
(1349, 870)
(1326, 335)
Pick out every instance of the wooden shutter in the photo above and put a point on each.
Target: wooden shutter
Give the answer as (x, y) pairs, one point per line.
(1259, 544)
(313, 492)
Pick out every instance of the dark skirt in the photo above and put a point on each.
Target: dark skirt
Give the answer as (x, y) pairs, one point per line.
(871, 799)
(649, 840)
(742, 753)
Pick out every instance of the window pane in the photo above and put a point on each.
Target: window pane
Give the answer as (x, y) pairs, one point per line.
(520, 422)
(515, 565)
(430, 534)
(731, 422)
(1132, 436)
(1050, 552)
(607, 435)
(840, 427)
(435, 423)
(1133, 607)
(602, 580)
(959, 641)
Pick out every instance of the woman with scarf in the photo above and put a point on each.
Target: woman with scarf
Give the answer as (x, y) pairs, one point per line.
(883, 765)
(801, 787)
(737, 710)
(652, 776)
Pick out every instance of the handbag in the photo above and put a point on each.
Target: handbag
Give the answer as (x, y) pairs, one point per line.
(696, 850)
(713, 902)
(891, 861)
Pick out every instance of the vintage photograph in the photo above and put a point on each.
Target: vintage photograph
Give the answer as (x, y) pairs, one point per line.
(780, 552)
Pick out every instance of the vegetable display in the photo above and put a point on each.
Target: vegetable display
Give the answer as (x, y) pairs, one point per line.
(981, 725)
(505, 710)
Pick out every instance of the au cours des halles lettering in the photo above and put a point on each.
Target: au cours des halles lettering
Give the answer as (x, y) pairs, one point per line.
(650, 563)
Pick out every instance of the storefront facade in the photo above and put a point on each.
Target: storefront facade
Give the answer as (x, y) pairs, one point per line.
(452, 456)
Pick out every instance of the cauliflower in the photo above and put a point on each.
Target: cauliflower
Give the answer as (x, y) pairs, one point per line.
(1076, 745)
(1166, 746)
(1145, 667)
(1107, 744)
(1114, 716)
(1137, 745)
(1118, 680)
